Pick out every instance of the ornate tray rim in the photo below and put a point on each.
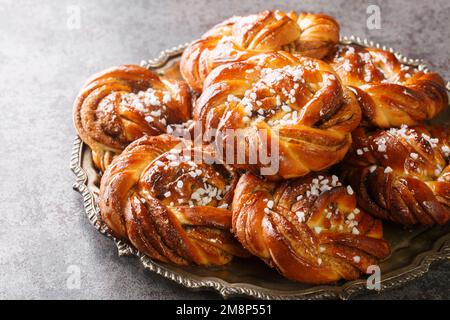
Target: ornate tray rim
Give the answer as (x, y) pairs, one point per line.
(420, 265)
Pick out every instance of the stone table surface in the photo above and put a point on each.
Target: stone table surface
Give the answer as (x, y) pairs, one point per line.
(45, 56)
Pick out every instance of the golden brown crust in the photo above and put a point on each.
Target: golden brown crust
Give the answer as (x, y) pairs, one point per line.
(390, 94)
(319, 35)
(238, 38)
(309, 229)
(296, 102)
(121, 104)
(169, 207)
(402, 175)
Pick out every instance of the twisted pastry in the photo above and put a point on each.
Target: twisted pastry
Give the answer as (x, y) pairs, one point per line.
(277, 99)
(238, 38)
(121, 104)
(168, 206)
(402, 175)
(390, 93)
(308, 228)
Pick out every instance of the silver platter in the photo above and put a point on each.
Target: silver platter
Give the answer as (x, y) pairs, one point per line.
(412, 251)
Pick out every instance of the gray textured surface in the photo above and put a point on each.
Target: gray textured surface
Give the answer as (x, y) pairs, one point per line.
(43, 64)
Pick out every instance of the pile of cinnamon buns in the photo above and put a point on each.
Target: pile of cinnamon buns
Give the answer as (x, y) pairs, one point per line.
(353, 148)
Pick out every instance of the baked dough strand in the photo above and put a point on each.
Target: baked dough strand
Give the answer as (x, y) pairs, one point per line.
(309, 228)
(169, 207)
(402, 175)
(296, 102)
(121, 104)
(238, 38)
(390, 93)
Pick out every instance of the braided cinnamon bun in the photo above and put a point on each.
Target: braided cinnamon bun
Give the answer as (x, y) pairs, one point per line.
(402, 175)
(236, 39)
(390, 93)
(296, 104)
(309, 228)
(168, 205)
(121, 104)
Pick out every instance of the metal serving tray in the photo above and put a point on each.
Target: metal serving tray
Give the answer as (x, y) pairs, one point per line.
(412, 250)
